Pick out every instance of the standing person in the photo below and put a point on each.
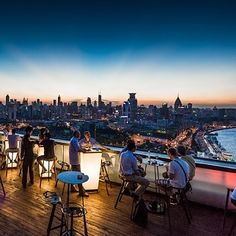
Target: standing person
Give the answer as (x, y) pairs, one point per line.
(130, 171)
(192, 165)
(28, 156)
(74, 149)
(88, 142)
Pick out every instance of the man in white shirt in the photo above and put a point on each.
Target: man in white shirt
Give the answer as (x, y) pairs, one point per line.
(74, 149)
(177, 172)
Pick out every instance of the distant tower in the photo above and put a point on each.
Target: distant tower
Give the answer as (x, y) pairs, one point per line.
(95, 103)
(126, 109)
(133, 106)
(178, 103)
(54, 102)
(7, 99)
(164, 111)
(89, 102)
(59, 100)
(99, 100)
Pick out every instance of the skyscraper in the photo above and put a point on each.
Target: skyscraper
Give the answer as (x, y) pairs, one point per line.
(89, 102)
(178, 103)
(133, 106)
(99, 100)
(7, 99)
(59, 100)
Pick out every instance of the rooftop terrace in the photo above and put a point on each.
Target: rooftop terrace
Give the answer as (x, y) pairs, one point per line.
(25, 212)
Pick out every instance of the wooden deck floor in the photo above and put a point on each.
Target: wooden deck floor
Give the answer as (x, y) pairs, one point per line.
(25, 212)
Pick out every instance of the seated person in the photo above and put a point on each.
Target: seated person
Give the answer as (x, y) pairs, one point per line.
(233, 197)
(192, 166)
(130, 171)
(87, 142)
(177, 173)
(139, 158)
(48, 145)
(12, 140)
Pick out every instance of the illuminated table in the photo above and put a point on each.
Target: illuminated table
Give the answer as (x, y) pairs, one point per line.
(90, 163)
(12, 154)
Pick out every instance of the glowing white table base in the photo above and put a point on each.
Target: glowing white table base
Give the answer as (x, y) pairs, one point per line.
(90, 164)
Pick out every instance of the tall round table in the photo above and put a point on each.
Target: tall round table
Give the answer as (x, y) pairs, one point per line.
(71, 178)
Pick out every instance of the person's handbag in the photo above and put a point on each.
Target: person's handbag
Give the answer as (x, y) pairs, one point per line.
(140, 215)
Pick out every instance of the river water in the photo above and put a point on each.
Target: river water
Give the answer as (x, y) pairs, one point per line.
(227, 138)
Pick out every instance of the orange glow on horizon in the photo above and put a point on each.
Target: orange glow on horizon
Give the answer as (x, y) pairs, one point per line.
(196, 102)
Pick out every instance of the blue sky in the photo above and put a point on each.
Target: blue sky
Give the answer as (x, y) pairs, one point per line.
(154, 48)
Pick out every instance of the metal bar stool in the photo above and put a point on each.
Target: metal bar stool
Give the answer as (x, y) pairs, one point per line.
(55, 200)
(124, 191)
(71, 211)
(4, 193)
(104, 176)
(181, 200)
(229, 190)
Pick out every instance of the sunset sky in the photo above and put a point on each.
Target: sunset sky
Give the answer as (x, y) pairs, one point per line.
(158, 49)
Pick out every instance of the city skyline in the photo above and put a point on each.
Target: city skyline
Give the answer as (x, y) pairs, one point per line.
(156, 49)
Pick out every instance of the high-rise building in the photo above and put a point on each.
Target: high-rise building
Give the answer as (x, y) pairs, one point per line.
(7, 99)
(164, 111)
(126, 109)
(89, 102)
(133, 106)
(95, 103)
(178, 103)
(99, 100)
(59, 100)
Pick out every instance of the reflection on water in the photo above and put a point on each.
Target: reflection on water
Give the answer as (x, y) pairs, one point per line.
(227, 138)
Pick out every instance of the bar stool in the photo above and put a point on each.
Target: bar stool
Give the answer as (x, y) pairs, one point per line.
(12, 156)
(229, 190)
(123, 192)
(4, 193)
(71, 211)
(50, 166)
(55, 200)
(104, 176)
(181, 200)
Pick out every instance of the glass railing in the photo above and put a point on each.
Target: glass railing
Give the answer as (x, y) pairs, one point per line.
(209, 184)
